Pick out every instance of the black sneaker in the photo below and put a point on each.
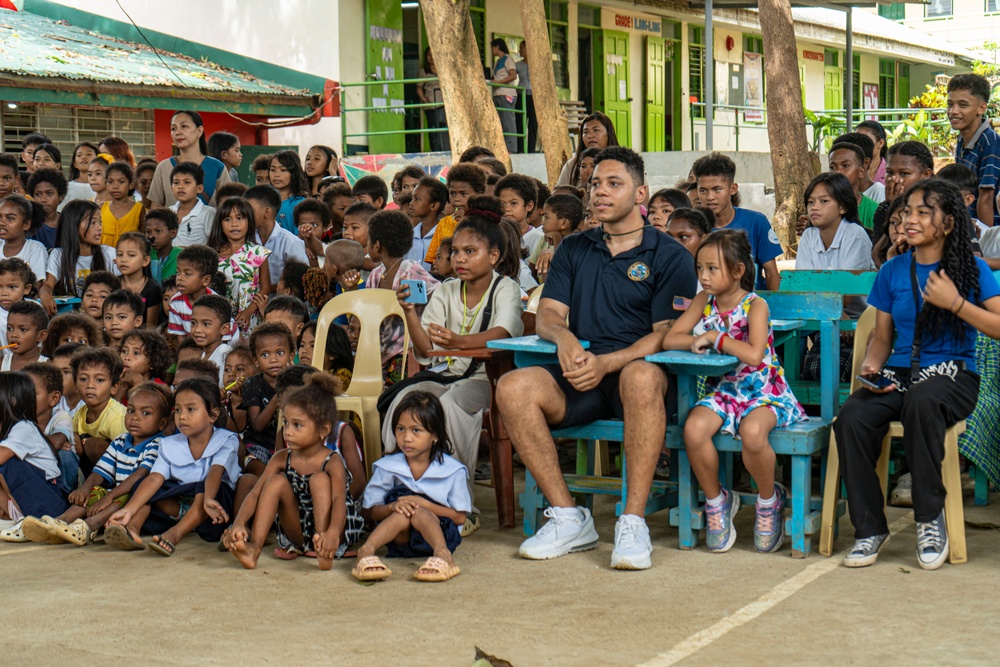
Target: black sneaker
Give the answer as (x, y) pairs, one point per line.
(932, 543)
(865, 551)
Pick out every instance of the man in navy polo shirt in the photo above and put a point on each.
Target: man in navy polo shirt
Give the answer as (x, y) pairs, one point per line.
(617, 284)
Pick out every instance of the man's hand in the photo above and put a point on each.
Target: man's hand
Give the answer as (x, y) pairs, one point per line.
(589, 372)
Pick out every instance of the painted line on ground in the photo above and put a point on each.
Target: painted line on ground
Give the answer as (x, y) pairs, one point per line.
(751, 611)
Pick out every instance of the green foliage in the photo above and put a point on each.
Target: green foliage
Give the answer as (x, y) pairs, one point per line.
(933, 128)
(824, 127)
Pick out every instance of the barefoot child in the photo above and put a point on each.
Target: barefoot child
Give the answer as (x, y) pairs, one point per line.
(26, 329)
(306, 487)
(190, 486)
(749, 402)
(127, 461)
(272, 347)
(418, 495)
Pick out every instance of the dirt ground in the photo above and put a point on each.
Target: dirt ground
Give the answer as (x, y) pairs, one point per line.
(65, 604)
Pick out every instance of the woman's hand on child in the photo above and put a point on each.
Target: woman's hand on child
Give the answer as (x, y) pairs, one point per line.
(940, 291)
(79, 497)
(215, 512)
(704, 343)
(325, 544)
(443, 337)
(121, 517)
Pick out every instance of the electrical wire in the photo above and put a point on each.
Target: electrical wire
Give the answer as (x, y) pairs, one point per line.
(267, 125)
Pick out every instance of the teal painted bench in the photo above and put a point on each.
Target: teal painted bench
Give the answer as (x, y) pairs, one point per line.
(801, 442)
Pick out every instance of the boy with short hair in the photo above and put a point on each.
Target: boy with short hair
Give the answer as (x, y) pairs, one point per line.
(62, 359)
(518, 195)
(227, 191)
(15, 285)
(210, 319)
(291, 312)
(101, 419)
(28, 145)
(907, 163)
(716, 177)
(48, 188)
(561, 216)
(464, 181)
(272, 346)
(162, 226)
(848, 159)
(312, 218)
(869, 188)
(262, 169)
(371, 190)
(187, 182)
(26, 330)
(978, 146)
(97, 287)
(965, 180)
(124, 312)
(339, 198)
(195, 367)
(284, 245)
(8, 174)
(344, 260)
(196, 266)
(55, 424)
(430, 196)
(356, 229)
(291, 279)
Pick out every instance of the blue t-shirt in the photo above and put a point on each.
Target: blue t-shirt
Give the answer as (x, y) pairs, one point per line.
(46, 235)
(285, 217)
(893, 293)
(614, 301)
(763, 240)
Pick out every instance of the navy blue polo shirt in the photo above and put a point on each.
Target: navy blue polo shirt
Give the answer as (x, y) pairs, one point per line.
(614, 301)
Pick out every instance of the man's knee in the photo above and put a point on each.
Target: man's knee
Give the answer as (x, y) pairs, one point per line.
(524, 387)
(641, 379)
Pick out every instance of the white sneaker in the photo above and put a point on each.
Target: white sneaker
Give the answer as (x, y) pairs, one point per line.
(632, 545)
(568, 529)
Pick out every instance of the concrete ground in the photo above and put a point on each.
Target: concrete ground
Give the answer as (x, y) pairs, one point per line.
(84, 605)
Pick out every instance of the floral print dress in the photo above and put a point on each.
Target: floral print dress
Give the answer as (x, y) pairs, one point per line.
(736, 394)
(242, 271)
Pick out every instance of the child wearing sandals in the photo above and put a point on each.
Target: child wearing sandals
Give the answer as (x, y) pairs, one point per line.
(306, 487)
(191, 485)
(127, 461)
(418, 495)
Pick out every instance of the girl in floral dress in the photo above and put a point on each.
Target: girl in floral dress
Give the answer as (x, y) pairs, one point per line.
(747, 402)
(242, 261)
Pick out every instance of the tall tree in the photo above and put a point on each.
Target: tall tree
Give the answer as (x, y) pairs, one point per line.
(786, 130)
(472, 120)
(552, 125)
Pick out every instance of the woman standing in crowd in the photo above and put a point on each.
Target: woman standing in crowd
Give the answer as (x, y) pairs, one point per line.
(596, 131)
(187, 131)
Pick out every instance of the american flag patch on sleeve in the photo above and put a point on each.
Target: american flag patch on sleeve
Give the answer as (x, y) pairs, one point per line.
(680, 303)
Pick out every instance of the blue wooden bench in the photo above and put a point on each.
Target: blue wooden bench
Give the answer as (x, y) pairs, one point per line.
(801, 441)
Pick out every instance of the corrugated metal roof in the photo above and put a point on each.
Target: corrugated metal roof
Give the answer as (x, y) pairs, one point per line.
(35, 46)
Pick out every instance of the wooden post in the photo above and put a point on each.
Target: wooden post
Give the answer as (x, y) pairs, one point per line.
(553, 129)
(472, 118)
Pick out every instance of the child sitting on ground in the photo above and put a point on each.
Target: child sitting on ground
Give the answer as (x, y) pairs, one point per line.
(16, 281)
(133, 262)
(238, 367)
(209, 323)
(307, 487)
(127, 461)
(145, 358)
(124, 312)
(26, 328)
(71, 328)
(418, 495)
(196, 266)
(98, 286)
(749, 402)
(101, 419)
(191, 485)
(272, 346)
(56, 425)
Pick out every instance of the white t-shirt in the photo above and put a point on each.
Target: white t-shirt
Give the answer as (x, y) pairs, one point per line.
(876, 192)
(27, 443)
(8, 359)
(64, 407)
(219, 359)
(83, 264)
(34, 254)
(76, 190)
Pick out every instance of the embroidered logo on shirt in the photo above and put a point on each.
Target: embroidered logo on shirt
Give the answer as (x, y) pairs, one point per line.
(638, 272)
(772, 236)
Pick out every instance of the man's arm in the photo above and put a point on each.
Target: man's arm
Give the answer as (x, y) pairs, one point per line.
(772, 277)
(984, 206)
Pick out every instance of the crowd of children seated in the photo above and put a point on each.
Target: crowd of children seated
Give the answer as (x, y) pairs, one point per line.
(159, 324)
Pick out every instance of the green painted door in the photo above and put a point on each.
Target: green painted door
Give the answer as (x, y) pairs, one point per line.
(902, 86)
(656, 110)
(251, 153)
(833, 88)
(384, 62)
(616, 102)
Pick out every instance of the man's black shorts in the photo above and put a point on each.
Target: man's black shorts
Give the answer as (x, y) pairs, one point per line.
(604, 401)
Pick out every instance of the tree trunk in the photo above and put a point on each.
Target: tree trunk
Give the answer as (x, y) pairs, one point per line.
(785, 119)
(472, 118)
(553, 129)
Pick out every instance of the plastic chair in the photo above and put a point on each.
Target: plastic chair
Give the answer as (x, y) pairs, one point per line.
(370, 306)
(536, 296)
(952, 476)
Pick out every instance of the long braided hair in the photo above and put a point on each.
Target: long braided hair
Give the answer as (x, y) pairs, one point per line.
(957, 259)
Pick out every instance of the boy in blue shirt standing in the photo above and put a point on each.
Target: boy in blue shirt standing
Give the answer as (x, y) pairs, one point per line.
(718, 191)
(978, 146)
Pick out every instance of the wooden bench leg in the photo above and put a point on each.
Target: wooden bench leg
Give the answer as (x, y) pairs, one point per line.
(532, 502)
(831, 496)
(882, 468)
(953, 509)
(800, 503)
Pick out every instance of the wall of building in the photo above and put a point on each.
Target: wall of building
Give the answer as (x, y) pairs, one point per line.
(968, 25)
(249, 29)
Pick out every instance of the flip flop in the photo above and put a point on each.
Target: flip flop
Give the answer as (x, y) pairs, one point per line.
(436, 569)
(285, 554)
(162, 546)
(370, 568)
(117, 536)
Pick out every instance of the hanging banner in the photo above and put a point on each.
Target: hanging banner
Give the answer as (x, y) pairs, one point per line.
(753, 86)
(869, 98)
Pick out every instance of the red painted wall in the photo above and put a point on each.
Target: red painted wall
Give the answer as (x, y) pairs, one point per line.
(214, 122)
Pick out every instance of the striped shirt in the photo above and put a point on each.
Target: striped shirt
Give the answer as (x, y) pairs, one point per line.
(123, 457)
(982, 156)
(181, 307)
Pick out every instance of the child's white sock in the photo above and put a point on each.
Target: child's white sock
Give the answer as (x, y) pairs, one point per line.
(715, 502)
(767, 502)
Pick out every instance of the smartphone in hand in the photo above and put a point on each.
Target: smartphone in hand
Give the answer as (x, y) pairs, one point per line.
(418, 291)
(875, 381)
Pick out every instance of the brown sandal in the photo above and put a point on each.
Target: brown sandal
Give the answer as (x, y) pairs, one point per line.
(370, 568)
(436, 569)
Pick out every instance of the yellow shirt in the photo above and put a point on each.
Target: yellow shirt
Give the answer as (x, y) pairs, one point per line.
(112, 227)
(445, 229)
(109, 425)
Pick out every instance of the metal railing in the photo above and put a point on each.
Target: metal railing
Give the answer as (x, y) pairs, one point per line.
(518, 110)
